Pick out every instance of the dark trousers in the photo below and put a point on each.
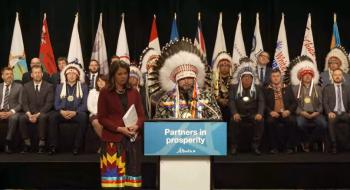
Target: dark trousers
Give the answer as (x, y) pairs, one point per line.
(236, 127)
(318, 130)
(56, 118)
(41, 124)
(333, 133)
(281, 132)
(12, 125)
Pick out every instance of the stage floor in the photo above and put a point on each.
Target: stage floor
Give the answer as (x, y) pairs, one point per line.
(245, 170)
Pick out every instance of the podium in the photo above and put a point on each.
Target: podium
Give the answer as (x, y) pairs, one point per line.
(185, 147)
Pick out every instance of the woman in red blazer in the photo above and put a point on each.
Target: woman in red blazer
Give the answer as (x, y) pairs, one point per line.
(120, 156)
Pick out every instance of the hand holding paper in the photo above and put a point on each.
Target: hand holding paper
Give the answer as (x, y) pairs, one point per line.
(130, 120)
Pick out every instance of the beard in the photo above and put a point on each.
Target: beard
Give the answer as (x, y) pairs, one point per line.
(186, 92)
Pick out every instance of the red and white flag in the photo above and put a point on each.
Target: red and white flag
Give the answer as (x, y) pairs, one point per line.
(46, 55)
(308, 47)
(199, 41)
(281, 58)
(153, 38)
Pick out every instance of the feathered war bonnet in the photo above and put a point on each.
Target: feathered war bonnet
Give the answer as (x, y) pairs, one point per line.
(136, 73)
(72, 67)
(246, 67)
(340, 53)
(301, 66)
(180, 59)
(217, 62)
(148, 56)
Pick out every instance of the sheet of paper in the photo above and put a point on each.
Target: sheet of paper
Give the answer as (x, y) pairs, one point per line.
(130, 118)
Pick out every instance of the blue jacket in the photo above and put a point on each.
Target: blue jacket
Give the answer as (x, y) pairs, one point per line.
(80, 104)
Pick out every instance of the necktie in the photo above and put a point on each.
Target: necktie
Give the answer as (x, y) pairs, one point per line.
(92, 82)
(262, 74)
(6, 98)
(339, 100)
(37, 89)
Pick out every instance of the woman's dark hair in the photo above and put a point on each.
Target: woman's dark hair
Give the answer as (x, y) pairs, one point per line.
(102, 77)
(114, 67)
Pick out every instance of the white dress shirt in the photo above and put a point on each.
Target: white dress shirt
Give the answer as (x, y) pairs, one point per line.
(92, 101)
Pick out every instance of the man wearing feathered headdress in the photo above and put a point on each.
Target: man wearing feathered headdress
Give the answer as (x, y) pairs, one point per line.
(70, 105)
(247, 105)
(304, 78)
(337, 58)
(181, 74)
(223, 70)
(148, 61)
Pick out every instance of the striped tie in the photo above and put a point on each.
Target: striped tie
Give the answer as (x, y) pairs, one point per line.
(6, 98)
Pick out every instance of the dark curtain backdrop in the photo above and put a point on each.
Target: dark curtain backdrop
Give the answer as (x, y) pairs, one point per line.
(60, 16)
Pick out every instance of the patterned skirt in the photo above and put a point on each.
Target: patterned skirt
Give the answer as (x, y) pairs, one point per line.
(120, 164)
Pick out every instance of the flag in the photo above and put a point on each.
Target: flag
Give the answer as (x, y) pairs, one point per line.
(46, 55)
(74, 52)
(174, 35)
(122, 45)
(238, 46)
(17, 57)
(220, 44)
(281, 58)
(153, 38)
(335, 36)
(257, 45)
(308, 47)
(199, 39)
(99, 50)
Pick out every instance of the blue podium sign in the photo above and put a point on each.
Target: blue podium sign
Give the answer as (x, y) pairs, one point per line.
(194, 138)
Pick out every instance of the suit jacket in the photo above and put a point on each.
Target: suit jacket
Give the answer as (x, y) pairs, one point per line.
(267, 79)
(326, 79)
(316, 100)
(111, 112)
(233, 99)
(43, 102)
(80, 104)
(87, 79)
(55, 79)
(26, 77)
(288, 97)
(329, 97)
(15, 97)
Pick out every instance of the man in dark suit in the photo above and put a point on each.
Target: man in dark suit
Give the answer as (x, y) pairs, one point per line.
(37, 101)
(70, 106)
(94, 69)
(11, 100)
(263, 69)
(27, 75)
(247, 104)
(280, 108)
(56, 78)
(336, 103)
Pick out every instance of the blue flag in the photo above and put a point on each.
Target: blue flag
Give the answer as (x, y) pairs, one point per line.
(335, 36)
(174, 34)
